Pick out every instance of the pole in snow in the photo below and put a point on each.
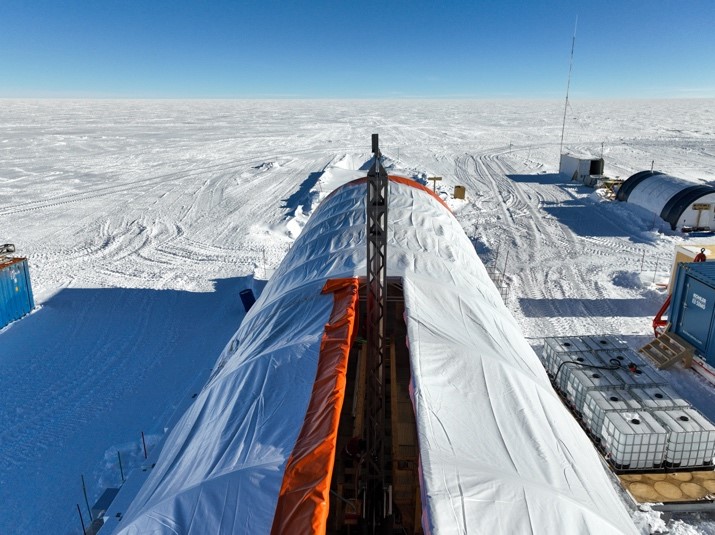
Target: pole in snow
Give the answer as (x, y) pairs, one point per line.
(144, 444)
(79, 511)
(121, 470)
(506, 262)
(434, 180)
(84, 490)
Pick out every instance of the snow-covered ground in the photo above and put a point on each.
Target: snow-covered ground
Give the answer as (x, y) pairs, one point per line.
(142, 221)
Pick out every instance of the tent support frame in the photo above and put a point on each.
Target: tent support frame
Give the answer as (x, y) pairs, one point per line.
(377, 504)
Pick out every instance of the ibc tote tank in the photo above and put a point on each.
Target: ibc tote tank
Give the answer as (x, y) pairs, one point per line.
(15, 290)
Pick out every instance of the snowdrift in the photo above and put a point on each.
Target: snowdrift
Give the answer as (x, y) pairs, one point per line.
(498, 451)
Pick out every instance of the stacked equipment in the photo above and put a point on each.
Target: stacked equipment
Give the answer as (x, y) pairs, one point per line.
(631, 414)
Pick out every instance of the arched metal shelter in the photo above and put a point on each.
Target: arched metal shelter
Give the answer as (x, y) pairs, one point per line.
(679, 202)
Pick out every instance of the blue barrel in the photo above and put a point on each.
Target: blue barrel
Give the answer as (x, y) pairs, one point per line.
(247, 298)
(15, 290)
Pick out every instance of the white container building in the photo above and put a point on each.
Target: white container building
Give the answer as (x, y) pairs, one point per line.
(582, 168)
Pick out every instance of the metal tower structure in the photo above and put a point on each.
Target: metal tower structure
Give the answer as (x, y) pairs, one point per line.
(378, 503)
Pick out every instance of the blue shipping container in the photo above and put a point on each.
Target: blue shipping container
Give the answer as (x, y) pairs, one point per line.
(692, 311)
(15, 290)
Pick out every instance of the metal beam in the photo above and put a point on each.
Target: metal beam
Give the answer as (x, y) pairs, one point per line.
(376, 508)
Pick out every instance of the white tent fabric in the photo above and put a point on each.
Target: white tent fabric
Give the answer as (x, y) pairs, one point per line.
(499, 453)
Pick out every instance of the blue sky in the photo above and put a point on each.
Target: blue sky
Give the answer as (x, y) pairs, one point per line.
(356, 49)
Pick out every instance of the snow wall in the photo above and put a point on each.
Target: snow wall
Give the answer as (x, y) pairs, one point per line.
(499, 453)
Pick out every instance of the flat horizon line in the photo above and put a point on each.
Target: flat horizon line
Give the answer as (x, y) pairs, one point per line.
(337, 99)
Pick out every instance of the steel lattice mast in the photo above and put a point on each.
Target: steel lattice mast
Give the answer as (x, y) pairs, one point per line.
(377, 503)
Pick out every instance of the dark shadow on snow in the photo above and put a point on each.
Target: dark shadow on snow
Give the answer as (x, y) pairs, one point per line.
(544, 178)
(91, 369)
(485, 253)
(586, 217)
(302, 196)
(584, 308)
(367, 165)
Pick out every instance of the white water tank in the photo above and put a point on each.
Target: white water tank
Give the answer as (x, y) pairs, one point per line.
(691, 438)
(642, 377)
(581, 382)
(600, 402)
(659, 398)
(634, 440)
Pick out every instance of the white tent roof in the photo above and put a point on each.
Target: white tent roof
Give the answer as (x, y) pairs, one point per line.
(655, 192)
(499, 453)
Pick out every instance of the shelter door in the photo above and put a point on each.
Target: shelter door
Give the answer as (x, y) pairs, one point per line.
(696, 313)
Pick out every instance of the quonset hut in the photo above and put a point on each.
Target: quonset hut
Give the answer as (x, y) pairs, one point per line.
(478, 441)
(683, 204)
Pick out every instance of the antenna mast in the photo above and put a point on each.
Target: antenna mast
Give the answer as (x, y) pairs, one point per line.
(568, 86)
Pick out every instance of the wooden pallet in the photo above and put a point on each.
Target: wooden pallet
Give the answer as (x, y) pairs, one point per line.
(668, 349)
(675, 490)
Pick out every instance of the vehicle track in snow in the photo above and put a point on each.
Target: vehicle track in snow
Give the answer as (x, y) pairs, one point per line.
(112, 201)
(562, 278)
(171, 219)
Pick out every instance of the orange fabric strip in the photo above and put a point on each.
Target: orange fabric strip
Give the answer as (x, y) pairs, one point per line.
(303, 502)
(399, 180)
